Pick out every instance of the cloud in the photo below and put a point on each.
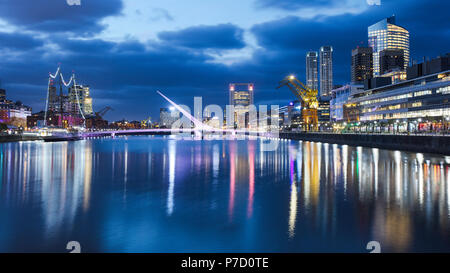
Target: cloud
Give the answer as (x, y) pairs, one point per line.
(58, 16)
(126, 74)
(18, 41)
(296, 4)
(314, 8)
(160, 14)
(223, 36)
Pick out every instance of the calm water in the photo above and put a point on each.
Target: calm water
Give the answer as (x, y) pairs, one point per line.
(160, 194)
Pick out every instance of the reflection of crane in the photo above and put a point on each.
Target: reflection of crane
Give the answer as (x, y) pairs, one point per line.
(103, 112)
(308, 97)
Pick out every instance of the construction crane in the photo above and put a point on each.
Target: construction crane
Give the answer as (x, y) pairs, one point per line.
(146, 123)
(96, 121)
(308, 98)
(103, 112)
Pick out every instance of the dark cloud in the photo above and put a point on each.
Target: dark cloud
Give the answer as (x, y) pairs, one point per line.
(126, 75)
(18, 41)
(297, 4)
(224, 36)
(58, 16)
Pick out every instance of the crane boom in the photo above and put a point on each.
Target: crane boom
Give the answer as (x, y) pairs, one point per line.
(308, 98)
(102, 112)
(306, 95)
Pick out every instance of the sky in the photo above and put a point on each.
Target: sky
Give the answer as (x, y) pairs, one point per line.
(126, 50)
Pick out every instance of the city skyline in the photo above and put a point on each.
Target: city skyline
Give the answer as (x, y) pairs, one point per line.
(132, 68)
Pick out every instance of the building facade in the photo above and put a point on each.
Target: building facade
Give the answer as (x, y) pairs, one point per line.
(326, 70)
(391, 59)
(362, 64)
(387, 35)
(312, 75)
(414, 104)
(168, 116)
(84, 99)
(241, 98)
(340, 108)
(13, 113)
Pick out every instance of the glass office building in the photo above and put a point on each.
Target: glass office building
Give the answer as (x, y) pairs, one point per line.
(241, 98)
(312, 77)
(387, 35)
(326, 70)
(418, 104)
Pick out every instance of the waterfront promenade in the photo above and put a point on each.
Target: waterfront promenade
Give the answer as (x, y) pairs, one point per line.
(421, 143)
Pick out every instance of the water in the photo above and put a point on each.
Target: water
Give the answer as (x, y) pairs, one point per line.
(160, 194)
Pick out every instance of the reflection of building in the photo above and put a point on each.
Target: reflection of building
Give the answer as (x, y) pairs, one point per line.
(386, 35)
(312, 80)
(241, 98)
(362, 64)
(326, 70)
(415, 100)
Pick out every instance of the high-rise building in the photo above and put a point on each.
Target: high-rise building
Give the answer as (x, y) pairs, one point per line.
(326, 70)
(241, 97)
(53, 98)
(362, 64)
(391, 59)
(312, 76)
(84, 99)
(387, 35)
(167, 117)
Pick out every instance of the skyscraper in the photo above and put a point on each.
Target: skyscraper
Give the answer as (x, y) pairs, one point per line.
(391, 59)
(84, 99)
(326, 70)
(387, 35)
(241, 97)
(168, 116)
(362, 64)
(312, 80)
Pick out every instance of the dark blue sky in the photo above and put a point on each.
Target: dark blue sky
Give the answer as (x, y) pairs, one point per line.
(127, 49)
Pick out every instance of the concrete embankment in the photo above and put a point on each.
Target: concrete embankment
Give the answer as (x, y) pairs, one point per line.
(412, 143)
(15, 138)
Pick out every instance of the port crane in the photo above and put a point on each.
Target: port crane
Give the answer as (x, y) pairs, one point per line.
(308, 98)
(103, 112)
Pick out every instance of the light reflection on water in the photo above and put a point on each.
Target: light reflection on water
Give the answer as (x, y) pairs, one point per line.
(163, 194)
